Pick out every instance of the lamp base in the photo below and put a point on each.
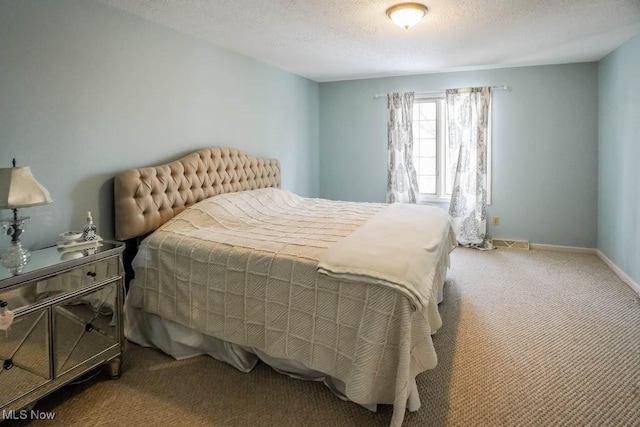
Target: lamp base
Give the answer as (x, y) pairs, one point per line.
(15, 258)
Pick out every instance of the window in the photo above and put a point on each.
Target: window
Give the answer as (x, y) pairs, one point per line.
(432, 160)
(430, 156)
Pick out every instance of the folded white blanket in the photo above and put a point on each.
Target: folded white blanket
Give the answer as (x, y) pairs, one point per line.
(399, 247)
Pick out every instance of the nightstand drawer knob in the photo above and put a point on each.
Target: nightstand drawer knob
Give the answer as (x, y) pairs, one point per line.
(8, 364)
(88, 327)
(91, 273)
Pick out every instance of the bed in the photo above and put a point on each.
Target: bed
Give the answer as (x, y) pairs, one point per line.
(232, 266)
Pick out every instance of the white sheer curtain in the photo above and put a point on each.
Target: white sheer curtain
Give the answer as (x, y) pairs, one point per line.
(402, 180)
(468, 112)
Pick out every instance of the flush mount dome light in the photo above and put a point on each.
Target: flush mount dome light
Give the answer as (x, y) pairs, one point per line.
(406, 15)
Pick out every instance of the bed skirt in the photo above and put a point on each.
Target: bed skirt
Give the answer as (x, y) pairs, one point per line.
(181, 342)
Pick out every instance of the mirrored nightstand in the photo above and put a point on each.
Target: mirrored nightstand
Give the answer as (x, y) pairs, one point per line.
(67, 320)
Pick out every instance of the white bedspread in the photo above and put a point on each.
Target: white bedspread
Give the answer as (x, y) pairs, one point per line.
(399, 247)
(242, 267)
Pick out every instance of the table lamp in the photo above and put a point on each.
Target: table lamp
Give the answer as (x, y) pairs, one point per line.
(18, 189)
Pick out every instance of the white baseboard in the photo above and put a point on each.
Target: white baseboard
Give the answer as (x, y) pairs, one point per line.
(621, 274)
(558, 248)
(576, 249)
(510, 244)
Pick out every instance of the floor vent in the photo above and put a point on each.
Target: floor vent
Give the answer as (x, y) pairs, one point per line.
(514, 244)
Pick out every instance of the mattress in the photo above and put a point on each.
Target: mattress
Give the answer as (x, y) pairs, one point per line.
(243, 268)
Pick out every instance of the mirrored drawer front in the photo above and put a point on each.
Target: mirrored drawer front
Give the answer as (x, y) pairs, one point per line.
(78, 278)
(71, 280)
(24, 356)
(84, 326)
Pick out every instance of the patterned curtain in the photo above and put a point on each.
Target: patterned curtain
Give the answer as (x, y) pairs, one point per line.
(468, 128)
(402, 180)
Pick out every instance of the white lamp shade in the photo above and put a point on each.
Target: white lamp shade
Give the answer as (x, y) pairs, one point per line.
(406, 15)
(20, 189)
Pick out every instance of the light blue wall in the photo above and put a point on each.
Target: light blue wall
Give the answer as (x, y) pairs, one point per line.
(619, 158)
(545, 141)
(88, 91)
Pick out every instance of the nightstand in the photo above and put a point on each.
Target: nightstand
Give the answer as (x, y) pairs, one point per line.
(68, 320)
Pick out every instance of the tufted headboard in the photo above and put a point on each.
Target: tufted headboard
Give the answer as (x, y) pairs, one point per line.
(146, 198)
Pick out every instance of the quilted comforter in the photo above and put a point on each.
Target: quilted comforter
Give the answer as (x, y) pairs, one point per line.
(243, 267)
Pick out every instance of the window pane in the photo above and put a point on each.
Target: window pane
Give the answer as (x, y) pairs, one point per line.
(416, 132)
(416, 164)
(428, 147)
(427, 129)
(431, 169)
(427, 184)
(428, 165)
(416, 147)
(427, 111)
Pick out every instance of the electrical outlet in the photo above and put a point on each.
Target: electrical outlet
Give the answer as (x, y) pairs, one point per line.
(495, 221)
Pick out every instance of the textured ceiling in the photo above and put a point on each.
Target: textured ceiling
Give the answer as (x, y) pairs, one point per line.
(328, 40)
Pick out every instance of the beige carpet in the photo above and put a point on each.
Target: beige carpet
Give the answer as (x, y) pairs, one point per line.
(529, 339)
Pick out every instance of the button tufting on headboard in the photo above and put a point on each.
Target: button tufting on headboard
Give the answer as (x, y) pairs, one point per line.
(146, 198)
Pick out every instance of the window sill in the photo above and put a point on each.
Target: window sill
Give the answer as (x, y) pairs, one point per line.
(429, 199)
(439, 203)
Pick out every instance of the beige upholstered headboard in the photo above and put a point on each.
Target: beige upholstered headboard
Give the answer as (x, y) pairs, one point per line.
(146, 198)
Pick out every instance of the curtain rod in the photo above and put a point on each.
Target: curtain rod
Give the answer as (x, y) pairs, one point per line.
(377, 95)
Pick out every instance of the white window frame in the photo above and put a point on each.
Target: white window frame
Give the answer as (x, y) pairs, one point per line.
(441, 141)
(442, 137)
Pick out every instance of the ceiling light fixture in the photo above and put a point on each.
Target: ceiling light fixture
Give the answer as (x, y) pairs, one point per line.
(406, 15)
